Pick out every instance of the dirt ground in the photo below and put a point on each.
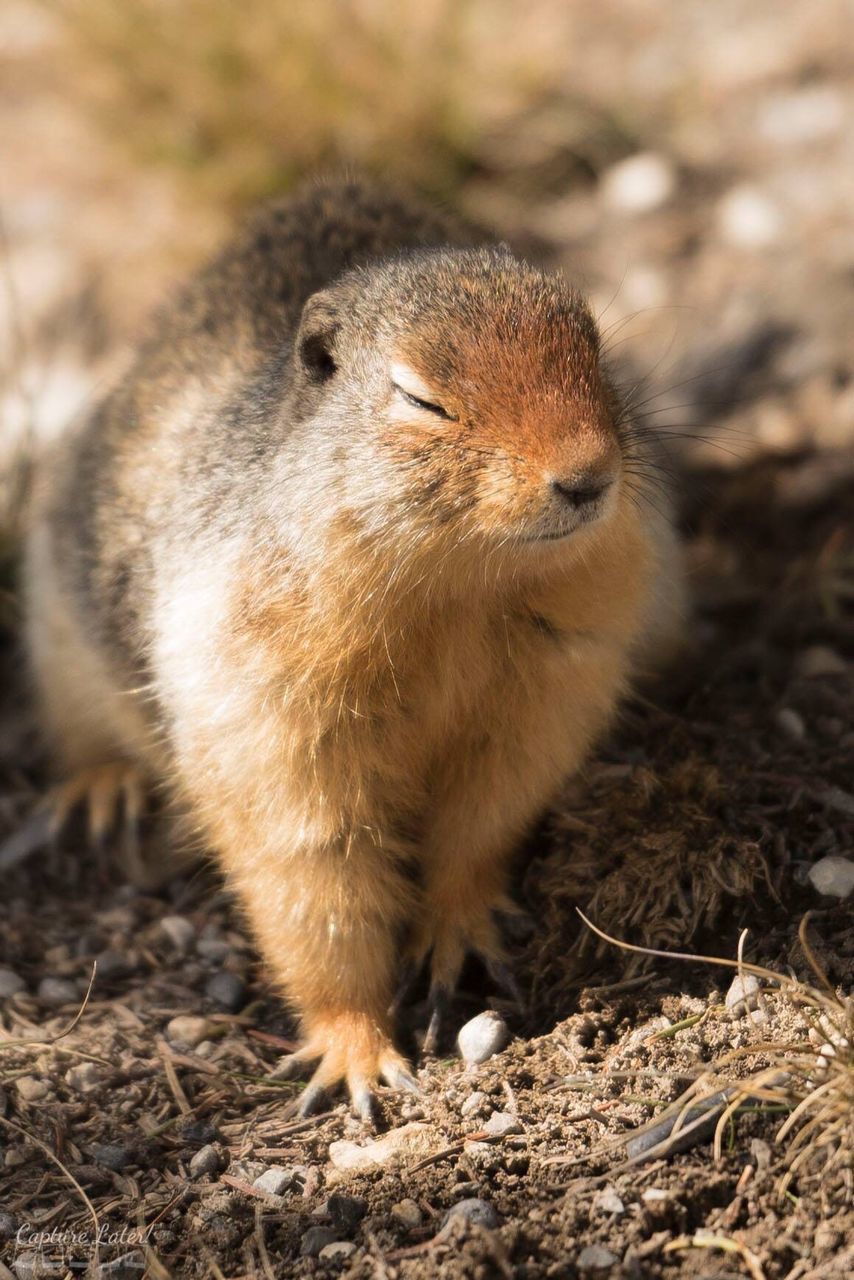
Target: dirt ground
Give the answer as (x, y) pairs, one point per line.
(722, 267)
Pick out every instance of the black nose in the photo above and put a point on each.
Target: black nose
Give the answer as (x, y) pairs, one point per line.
(580, 493)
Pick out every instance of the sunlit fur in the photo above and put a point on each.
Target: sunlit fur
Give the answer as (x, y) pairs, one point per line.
(361, 642)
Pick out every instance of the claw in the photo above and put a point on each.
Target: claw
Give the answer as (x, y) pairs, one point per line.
(313, 1099)
(364, 1102)
(397, 1077)
(440, 999)
(294, 1066)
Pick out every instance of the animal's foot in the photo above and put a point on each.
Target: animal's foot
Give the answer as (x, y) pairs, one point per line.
(349, 1049)
(111, 795)
(450, 933)
(112, 799)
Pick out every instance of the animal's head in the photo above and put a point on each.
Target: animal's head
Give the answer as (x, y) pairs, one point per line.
(464, 394)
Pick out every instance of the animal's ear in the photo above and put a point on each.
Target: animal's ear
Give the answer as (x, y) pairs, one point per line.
(318, 329)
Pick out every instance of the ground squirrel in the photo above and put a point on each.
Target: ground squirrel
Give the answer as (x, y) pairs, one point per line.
(355, 561)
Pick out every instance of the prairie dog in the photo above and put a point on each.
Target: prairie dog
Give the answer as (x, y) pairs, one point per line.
(355, 562)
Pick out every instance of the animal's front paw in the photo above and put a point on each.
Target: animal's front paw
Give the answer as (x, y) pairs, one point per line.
(350, 1049)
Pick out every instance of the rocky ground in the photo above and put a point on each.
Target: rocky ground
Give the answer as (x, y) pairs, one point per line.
(712, 230)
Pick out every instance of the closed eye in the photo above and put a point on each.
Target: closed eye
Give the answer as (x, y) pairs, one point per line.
(418, 403)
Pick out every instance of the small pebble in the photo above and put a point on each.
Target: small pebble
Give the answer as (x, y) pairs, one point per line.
(819, 660)
(338, 1249)
(655, 1195)
(743, 995)
(188, 1029)
(791, 724)
(760, 1153)
(274, 1181)
(609, 1202)
(595, 1257)
(227, 990)
(8, 1225)
(483, 1036)
(314, 1240)
(10, 984)
(500, 1124)
(832, 876)
(474, 1102)
(112, 1156)
(31, 1089)
(84, 1078)
(213, 949)
(413, 1141)
(839, 801)
(639, 184)
(800, 116)
(57, 992)
(748, 219)
(204, 1162)
(113, 964)
(474, 1210)
(346, 1213)
(407, 1213)
(179, 931)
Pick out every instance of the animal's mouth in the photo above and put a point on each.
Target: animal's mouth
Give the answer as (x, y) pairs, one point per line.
(551, 537)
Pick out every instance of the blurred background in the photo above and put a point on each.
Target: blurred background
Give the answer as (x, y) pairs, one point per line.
(690, 165)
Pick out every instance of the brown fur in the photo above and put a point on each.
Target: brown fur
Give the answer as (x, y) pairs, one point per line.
(361, 642)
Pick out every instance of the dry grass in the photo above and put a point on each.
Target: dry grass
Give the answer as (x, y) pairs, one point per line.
(809, 1077)
(244, 97)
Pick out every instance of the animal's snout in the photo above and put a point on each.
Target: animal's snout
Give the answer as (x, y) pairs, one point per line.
(582, 490)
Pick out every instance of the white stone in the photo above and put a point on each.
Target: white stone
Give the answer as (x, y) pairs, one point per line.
(83, 1079)
(833, 876)
(10, 984)
(482, 1037)
(743, 995)
(500, 1125)
(58, 992)
(595, 1257)
(179, 931)
(188, 1029)
(473, 1103)
(31, 1089)
(609, 1202)
(807, 115)
(748, 218)
(409, 1140)
(639, 184)
(338, 1249)
(274, 1181)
